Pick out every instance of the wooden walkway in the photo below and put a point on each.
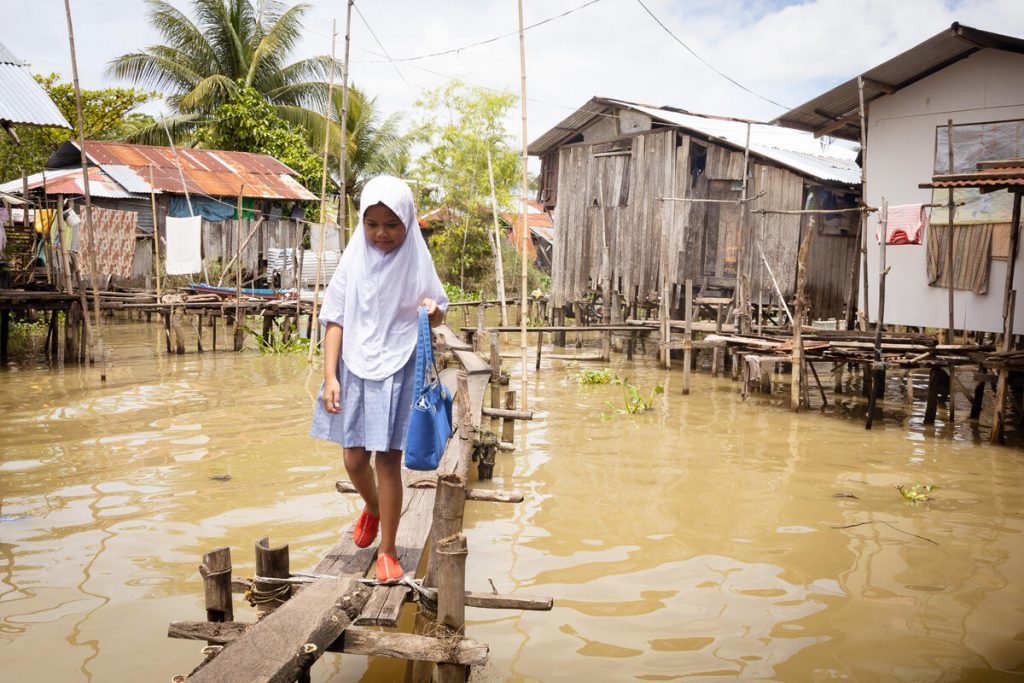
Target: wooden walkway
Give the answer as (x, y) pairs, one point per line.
(283, 645)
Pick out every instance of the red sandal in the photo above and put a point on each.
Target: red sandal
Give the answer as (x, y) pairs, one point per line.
(388, 569)
(365, 530)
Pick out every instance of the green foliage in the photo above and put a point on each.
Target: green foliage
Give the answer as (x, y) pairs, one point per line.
(918, 493)
(225, 46)
(633, 401)
(455, 293)
(458, 125)
(288, 341)
(589, 376)
(246, 123)
(107, 114)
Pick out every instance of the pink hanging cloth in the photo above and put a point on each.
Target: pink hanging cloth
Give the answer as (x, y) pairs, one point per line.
(904, 225)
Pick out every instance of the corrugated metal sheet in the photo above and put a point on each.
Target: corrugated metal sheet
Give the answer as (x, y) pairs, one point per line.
(215, 173)
(22, 100)
(128, 178)
(794, 149)
(920, 61)
(1003, 176)
(69, 181)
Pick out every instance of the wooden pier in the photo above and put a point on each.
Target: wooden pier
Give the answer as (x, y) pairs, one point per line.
(332, 601)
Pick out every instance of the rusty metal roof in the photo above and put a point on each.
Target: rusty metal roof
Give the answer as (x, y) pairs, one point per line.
(69, 181)
(843, 102)
(990, 176)
(215, 173)
(22, 100)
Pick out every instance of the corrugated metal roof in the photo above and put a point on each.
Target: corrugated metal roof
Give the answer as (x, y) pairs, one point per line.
(996, 177)
(794, 149)
(215, 173)
(69, 181)
(22, 100)
(920, 61)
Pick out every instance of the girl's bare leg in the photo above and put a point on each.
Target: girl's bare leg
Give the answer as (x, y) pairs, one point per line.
(360, 473)
(389, 482)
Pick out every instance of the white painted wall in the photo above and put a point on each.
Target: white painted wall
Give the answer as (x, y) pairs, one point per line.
(987, 86)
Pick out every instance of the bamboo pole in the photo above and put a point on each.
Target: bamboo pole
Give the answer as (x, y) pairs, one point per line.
(238, 273)
(742, 279)
(451, 597)
(878, 377)
(950, 270)
(499, 266)
(314, 338)
(688, 336)
(1009, 308)
(156, 230)
(798, 321)
(343, 153)
(864, 198)
(97, 338)
(526, 197)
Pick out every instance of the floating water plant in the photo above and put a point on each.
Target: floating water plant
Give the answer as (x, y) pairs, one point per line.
(289, 341)
(588, 376)
(633, 399)
(918, 493)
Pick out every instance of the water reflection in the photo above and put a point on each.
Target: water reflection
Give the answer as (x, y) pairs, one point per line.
(710, 537)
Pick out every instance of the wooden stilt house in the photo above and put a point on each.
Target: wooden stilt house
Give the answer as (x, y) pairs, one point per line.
(648, 197)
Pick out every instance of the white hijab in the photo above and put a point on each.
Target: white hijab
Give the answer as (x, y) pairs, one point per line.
(375, 296)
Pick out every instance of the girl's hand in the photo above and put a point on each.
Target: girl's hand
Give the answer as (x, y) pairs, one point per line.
(434, 313)
(332, 395)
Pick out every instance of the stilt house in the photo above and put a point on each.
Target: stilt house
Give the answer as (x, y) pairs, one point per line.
(645, 197)
(968, 81)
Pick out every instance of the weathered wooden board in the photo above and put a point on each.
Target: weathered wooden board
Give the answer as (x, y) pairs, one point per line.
(280, 646)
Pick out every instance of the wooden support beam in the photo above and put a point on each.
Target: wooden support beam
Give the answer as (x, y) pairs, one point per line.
(353, 641)
(479, 495)
(283, 644)
(508, 414)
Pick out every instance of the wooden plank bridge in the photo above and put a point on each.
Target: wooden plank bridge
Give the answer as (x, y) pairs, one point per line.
(333, 600)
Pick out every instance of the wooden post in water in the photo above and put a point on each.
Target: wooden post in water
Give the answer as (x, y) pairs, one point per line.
(508, 424)
(798, 322)
(451, 598)
(878, 376)
(1009, 307)
(688, 336)
(239, 338)
(271, 563)
(449, 504)
(216, 573)
(495, 357)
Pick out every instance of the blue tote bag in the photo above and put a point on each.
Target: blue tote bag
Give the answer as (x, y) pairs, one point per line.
(430, 425)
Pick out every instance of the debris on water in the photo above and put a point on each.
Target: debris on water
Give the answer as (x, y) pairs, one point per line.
(221, 477)
(10, 518)
(844, 494)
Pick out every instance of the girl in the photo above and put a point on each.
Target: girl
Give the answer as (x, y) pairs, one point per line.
(370, 311)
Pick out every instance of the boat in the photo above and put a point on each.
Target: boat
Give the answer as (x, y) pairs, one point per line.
(231, 292)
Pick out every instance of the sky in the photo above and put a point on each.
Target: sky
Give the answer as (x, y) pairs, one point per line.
(785, 51)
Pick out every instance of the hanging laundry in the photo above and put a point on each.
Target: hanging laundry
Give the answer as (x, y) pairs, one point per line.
(44, 217)
(71, 228)
(115, 242)
(184, 245)
(904, 225)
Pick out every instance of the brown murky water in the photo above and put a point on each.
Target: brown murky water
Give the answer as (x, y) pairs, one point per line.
(696, 541)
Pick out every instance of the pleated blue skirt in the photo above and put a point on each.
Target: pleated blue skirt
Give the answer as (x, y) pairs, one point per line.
(374, 414)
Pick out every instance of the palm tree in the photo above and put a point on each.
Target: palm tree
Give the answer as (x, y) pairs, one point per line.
(230, 44)
(375, 145)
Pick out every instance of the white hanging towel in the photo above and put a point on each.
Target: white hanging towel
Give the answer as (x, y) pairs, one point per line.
(184, 237)
(904, 225)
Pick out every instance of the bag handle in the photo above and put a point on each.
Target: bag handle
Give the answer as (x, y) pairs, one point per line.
(425, 360)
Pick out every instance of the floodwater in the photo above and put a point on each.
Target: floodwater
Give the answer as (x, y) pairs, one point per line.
(710, 538)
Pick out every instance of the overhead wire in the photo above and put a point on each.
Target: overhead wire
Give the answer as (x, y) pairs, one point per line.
(487, 40)
(383, 49)
(706, 62)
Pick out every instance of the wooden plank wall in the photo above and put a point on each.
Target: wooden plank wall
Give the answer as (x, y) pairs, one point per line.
(608, 198)
(829, 264)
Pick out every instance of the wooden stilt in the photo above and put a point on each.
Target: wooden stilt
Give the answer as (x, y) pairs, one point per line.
(978, 400)
(495, 358)
(271, 563)
(451, 598)
(688, 335)
(449, 503)
(933, 396)
(1009, 307)
(508, 424)
(216, 573)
